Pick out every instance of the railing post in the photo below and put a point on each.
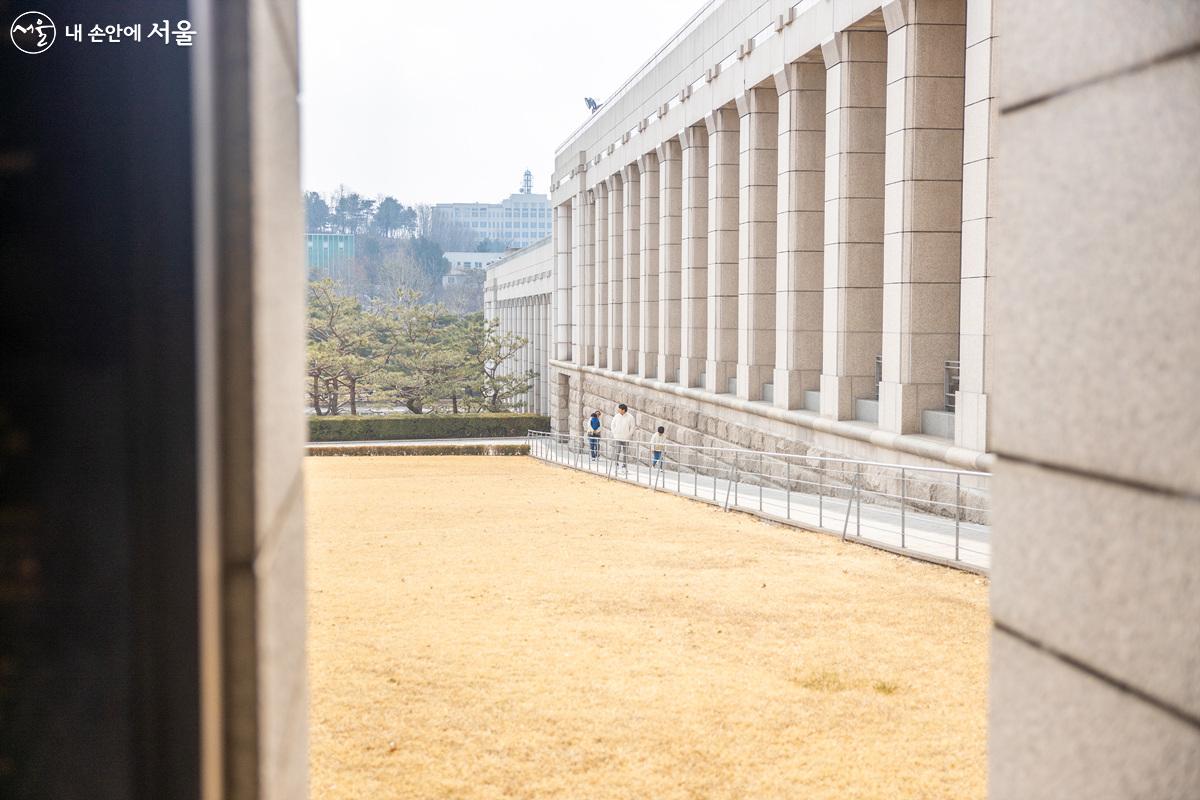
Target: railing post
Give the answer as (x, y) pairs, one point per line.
(761, 477)
(820, 495)
(731, 482)
(903, 503)
(957, 509)
(858, 494)
(787, 487)
(737, 481)
(850, 507)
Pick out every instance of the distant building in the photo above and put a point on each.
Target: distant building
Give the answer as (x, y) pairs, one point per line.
(462, 263)
(329, 255)
(518, 221)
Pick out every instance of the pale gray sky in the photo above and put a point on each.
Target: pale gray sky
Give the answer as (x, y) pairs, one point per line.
(451, 101)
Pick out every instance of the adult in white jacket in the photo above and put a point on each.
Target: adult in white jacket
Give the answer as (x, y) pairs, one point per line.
(623, 427)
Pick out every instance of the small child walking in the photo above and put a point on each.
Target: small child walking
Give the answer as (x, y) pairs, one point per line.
(656, 446)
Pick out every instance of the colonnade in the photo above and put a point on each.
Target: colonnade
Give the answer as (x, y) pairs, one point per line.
(529, 317)
(803, 245)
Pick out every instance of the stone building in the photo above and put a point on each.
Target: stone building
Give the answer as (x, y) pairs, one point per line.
(776, 234)
(518, 292)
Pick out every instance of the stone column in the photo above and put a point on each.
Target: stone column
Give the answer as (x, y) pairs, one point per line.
(527, 350)
(502, 315)
(974, 377)
(722, 291)
(580, 290)
(518, 359)
(632, 306)
(535, 344)
(507, 327)
(853, 296)
(799, 275)
(531, 326)
(616, 274)
(758, 173)
(562, 281)
(922, 211)
(670, 214)
(600, 297)
(648, 279)
(547, 314)
(543, 310)
(693, 316)
(535, 347)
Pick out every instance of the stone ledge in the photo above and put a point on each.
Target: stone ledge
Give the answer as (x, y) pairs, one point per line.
(913, 444)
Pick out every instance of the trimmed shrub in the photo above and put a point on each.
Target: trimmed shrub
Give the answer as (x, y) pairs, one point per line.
(423, 426)
(418, 450)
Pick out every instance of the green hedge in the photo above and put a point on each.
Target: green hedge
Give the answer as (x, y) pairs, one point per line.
(393, 449)
(422, 426)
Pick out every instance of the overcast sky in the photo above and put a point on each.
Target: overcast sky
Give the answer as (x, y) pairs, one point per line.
(442, 101)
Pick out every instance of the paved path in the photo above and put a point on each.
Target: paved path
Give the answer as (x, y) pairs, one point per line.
(924, 535)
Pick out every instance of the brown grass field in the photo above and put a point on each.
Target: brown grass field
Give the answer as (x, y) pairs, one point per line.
(494, 627)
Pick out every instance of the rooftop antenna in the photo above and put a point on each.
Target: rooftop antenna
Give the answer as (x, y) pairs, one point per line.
(527, 183)
(592, 105)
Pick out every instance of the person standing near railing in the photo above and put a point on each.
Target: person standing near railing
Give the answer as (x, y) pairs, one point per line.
(656, 446)
(592, 425)
(623, 427)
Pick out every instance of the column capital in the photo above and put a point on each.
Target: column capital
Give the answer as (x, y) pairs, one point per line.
(693, 136)
(831, 50)
(858, 44)
(600, 190)
(757, 100)
(896, 14)
(668, 150)
(648, 162)
(799, 75)
(630, 173)
(721, 120)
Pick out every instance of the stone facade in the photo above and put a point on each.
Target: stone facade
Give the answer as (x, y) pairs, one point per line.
(788, 230)
(1095, 688)
(517, 293)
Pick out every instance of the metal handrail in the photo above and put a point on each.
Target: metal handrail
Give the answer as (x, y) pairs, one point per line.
(931, 516)
(780, 454)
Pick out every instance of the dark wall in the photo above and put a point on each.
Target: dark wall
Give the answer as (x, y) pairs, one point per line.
(98, 646)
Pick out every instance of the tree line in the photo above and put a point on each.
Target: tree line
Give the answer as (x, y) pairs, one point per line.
(399, 247)
(401, 352)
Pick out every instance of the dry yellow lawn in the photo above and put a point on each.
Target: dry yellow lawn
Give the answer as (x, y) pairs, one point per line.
(500, 628)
